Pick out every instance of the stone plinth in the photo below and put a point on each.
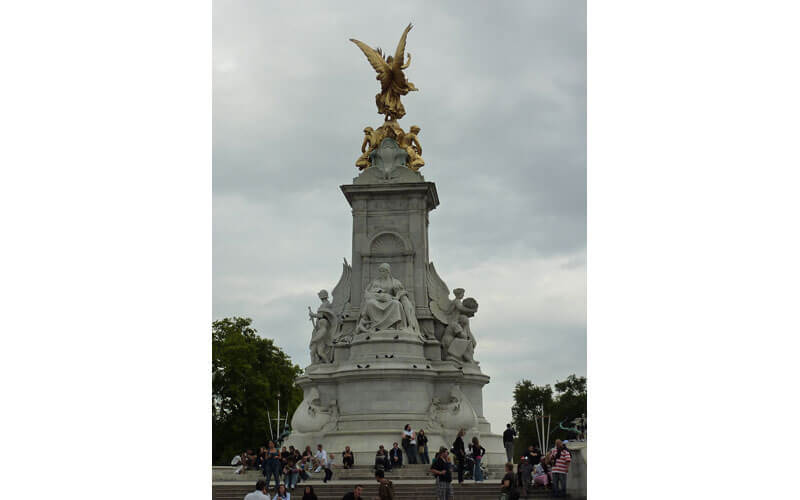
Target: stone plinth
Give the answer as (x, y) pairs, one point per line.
(381, 379)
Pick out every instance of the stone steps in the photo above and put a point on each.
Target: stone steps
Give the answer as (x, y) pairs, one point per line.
(412, 490)
(363, 473)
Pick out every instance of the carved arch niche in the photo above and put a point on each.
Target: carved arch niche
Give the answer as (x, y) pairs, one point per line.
(391, 247)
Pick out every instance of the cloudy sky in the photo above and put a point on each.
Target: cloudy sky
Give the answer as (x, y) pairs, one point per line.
(502, 108)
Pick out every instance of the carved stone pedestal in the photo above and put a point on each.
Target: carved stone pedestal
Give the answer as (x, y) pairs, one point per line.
(381, 379)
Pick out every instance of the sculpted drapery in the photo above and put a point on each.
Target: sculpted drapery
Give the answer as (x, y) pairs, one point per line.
(387, 304)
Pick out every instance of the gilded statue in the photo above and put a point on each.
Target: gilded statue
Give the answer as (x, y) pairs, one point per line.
(390, 74)
(367, 146)
(411, 144)
(408, 141)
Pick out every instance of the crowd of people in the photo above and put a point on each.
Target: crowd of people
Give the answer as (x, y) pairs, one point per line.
(549, 472)
(290, 466)
(546, 471)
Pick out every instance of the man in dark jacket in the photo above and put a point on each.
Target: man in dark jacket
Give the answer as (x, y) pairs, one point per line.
(396, 456)
(534, 456)
(508, 442)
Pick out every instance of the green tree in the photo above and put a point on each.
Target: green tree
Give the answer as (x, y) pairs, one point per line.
(248, 374)
(566, 403)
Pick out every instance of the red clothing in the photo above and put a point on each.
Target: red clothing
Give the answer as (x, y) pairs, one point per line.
(562, 464)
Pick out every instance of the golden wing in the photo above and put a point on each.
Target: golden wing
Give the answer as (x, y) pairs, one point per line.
(399, 54)
(377, 62)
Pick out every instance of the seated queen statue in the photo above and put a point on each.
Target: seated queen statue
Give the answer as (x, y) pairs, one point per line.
(387, 305)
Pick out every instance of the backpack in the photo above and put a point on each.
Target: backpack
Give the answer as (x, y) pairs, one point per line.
(386, 491)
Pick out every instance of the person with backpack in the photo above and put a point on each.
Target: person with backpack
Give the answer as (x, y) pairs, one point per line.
(385, 487)
(508, 486)
(444, 477)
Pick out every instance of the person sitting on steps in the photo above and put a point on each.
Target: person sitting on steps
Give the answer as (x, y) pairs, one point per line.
(396, 456)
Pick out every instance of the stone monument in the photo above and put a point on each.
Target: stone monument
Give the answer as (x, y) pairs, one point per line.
(389, 346)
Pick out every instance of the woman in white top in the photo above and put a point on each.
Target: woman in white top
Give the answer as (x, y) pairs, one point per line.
(410, 444)
(282, 494)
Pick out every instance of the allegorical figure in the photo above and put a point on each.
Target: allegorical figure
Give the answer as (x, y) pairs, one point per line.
(411, 144)
(320, 345)
(457, 339)
(387, 305)
(327, 321)
(458, 343)
(390, 74)
(367, 145)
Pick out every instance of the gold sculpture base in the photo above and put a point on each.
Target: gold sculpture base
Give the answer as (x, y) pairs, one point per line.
(390, 129)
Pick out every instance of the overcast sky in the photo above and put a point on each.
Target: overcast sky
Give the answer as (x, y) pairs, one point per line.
(502, 108)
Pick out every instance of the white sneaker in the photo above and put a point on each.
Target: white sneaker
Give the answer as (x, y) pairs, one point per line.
(318, 469)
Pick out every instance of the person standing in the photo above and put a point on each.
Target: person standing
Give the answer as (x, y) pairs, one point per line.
(459, 454)
(560, 458)
(410, 444)
(328, 467)
(478, 452)
(321, 457)
(260, 492)
(422, 446)
(272, 465)
(508, 442)
(534, 455)
(444, 477)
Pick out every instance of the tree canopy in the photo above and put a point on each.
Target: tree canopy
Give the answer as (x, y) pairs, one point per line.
(248, 374)
(564, 404)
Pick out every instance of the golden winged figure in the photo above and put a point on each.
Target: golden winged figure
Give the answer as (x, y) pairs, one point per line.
(390, 74)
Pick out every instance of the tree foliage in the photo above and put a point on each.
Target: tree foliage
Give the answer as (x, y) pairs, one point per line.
(248, 374)
(564, 404)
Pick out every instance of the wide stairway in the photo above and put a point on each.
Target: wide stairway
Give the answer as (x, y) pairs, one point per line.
(410, 482)
(403, 489)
